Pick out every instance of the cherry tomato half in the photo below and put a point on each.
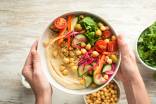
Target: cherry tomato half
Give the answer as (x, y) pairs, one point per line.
(112, 46)
(60, 23)
(100, 45)
(107, 34)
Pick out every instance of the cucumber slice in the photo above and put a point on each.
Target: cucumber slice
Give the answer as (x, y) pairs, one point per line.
(88, 67)
(107, 68)
(98, 79)
(88, 80)
(81, 70)
(94, 63)
(78, 39)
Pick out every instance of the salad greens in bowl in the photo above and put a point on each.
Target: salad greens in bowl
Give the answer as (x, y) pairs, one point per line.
(146, 47)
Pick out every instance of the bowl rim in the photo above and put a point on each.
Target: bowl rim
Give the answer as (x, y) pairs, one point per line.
(52, 81)
(119, 89)
(138, 56)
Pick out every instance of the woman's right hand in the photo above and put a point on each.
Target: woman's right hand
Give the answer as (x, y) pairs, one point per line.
(128, 68)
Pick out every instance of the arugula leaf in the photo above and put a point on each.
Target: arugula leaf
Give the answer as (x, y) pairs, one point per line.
(90, 25)
(147, 45)
(91, 37)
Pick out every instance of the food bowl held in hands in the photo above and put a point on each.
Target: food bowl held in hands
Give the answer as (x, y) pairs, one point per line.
(79, 53)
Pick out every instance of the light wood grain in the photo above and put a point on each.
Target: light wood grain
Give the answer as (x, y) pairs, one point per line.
(22, 21)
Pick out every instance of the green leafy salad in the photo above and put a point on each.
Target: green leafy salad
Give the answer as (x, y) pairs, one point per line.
(147, 45)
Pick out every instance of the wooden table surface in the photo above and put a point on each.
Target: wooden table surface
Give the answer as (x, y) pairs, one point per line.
(22, 21)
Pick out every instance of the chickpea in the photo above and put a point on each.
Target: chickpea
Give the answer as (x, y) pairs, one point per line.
(78, 27)
(95, 54)
(88, 46)
(71, 64)
(78, 52)
(106, 40)
(71, 60)
(98, 32)
(55, 53)
(81, 16)
(113, 37)
(46, 42)
(70, 48)
(83, 44)
(64, 50)
(109, 61)
(66, 60)
(114, 58)
(106, 76)
(102, 28)
(74, 68)
(65, 72)
(106, 58)
(82, 81)
(115, 99)
(71, 54)
(83, 51)
(112, 91)
(62, 68)
(100, 24)
(93, 85)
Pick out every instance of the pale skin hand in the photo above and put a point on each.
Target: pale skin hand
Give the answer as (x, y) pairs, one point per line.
(35, 77)
(129, 74)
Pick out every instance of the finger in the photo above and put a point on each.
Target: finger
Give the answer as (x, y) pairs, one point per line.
(29, 57)
(35, 58)
(27, 73)
(122, 45)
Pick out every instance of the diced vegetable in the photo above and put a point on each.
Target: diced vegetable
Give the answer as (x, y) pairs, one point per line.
(60, 23)
(100, 46)
(61, 33)
(98, 79)
(112, 46)
(69, 22)
(88, 81)
(107, 34)
(78, 39)
(78, 27)
(107, 68)
(109, 72)
(74, 21)
(114, 58)
(81, 70)
(88, 67)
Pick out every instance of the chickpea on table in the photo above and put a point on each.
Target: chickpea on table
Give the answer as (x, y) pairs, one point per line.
(128, 73)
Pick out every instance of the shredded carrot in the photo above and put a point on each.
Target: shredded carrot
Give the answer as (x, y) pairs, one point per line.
(108, 53)
(69, 22)
(101, 62)
(61, 33)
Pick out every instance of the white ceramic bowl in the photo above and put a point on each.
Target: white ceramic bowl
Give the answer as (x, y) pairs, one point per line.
(45, 66)
(138, 57)
(119, 92)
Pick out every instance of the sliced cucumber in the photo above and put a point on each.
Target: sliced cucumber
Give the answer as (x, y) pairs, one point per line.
(88, 67)
(88, 80)
(98, 79)
(94, 63)
(78, 39)
(107, 68)
(81, 70)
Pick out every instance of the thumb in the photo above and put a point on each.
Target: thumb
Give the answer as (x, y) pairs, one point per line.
(122, 45)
